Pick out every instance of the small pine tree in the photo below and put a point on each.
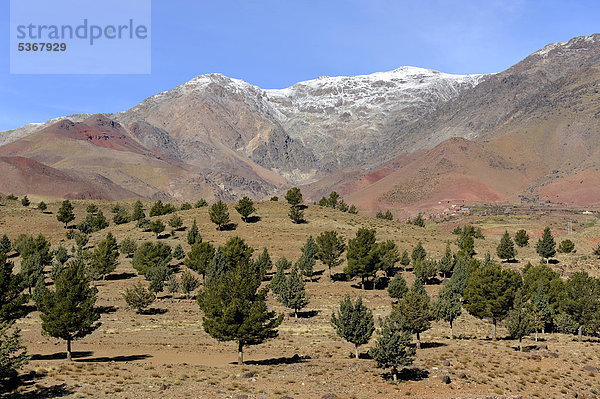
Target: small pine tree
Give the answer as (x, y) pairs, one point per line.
(245, 207)
(413, 311)
(360, 256)
(157, 227)
(308, 259)
(448, 306)
(5, 244)
(138, 297)
(188, 283)
(521, 238)
(199, 257)
(92, 208)
(294, 196)
(13, 354)
(219, 214)
(353, 322)
(12, 298)
(68, 311)
(386, 255)
(546, 246)
(425, 269)
(25, 201)
(418, 253)
(446, 264)
(193, 235)
(200, 203)
(178, 252)
(264, 262)
(405, 259)
(246, 319)
(520, 321)
(397, 287)
(293, 294)
(105, 257)
(566, 246)
(65, 213)
(150, 255)
(176, 222)
(279, 280)
(173, 284)
(330, 248)
(419, 221)
(596, 251)
(352, 210)
(138, 211)
(42, 206)
(392, 348)
(186, 206)
(128, 247)
(296, 214)
(506, 248)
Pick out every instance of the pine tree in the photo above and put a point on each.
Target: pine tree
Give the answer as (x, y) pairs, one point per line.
(219, 214)
(330, 248)
(293, 294)
(566, 246)
(397, 287)
(582, 301)
(419, 221)
(333, 199)
(216, 268)
(352, 210)
(392, 348)
(42, 206)
(128, 247)
(519, 321)
(105, 257)
(138, 297)
(413, 311)
(264, 262)
(521, 238)
(307, 260)
(121, 215)
(448, 306)
(157, 227)
(150, 255)
(405, 259)
(546, 247)
(12, 299)
(361, 262)
(178, 252)
(541, 310)
(25, 201)
(278, 281)
(386, 254)
(200, 203)
(193, 235)
(245, 207)
(92, 208)
(294, 196)
(235, 308)
(296, 214)
(490, 291)
(175, 222)
(596, 251)
(418, 253)
(5, 244)
(446, 264)
(506, 248)
(173, 284)
(467, 247)
(353, 322)
(35, 255)
(13, 354)
(68, 312)
(65, 213)
(188, 283)
(425, 269)
(186, 206)
(138, 211)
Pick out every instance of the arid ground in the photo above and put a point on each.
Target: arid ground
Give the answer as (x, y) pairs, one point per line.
(167, 353)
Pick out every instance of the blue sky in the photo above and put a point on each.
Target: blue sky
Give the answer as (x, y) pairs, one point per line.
(275, 43)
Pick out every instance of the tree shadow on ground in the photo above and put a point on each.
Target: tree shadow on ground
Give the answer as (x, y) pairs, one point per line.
(428, 345)
(154, 311)
(106, 309)
(229, 227)
(413, 374)
(279, 360)
(339, 277)
(54, 391)
(120, 358)
(307, 314)
(253, 219)
(62, 355)
(120, 276)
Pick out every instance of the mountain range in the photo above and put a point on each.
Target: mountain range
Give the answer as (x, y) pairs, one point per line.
(411, 138)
